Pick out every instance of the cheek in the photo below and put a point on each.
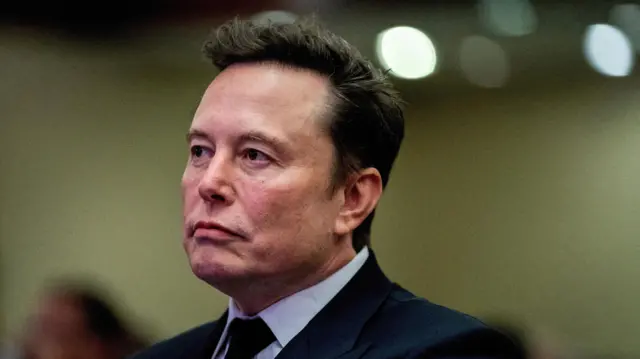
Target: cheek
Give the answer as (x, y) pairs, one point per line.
(189, 190)
(285, 211)
(269, 207)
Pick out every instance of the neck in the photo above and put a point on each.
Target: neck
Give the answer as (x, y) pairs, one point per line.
(254, 299)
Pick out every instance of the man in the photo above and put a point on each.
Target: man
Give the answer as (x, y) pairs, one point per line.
(290, 149)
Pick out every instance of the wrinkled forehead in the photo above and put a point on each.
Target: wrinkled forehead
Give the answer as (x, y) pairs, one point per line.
(281, 94)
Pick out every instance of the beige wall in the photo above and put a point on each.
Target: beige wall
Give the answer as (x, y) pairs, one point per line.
(500, 202)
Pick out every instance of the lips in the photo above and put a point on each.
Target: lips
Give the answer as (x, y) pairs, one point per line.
(207, 229)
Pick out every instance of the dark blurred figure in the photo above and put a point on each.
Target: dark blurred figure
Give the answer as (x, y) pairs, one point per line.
(532, 344)
(75, 322)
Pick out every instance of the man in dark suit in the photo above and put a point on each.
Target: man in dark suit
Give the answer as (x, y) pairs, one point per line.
(290, 149)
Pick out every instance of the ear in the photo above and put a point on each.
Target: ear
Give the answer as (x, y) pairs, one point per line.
(361, 195)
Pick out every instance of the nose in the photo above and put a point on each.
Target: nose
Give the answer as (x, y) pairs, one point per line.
(215, 186)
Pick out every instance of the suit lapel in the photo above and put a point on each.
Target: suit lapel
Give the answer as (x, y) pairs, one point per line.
(334, 330)
(211, 342)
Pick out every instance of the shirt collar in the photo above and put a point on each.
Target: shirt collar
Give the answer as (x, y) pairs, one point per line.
(287, 317)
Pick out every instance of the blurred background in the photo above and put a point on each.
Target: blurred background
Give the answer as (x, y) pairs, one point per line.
(515, 197)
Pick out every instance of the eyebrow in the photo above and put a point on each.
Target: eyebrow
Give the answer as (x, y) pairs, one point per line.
(195, 133)
(255, 136)
(251, 136)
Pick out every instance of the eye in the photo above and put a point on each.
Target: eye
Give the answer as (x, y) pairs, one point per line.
(197, 151)
(199, 155)
(256, 156)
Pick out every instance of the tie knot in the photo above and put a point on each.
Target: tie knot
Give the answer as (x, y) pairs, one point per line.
(248, 337)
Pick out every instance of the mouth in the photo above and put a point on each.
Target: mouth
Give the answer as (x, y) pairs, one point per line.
(213, 231)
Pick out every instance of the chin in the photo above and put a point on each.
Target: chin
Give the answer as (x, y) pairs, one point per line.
(215, 266)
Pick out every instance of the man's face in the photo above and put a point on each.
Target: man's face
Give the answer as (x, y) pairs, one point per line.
(256, 193)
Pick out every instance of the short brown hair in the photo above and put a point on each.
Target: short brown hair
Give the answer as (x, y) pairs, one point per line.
(367, 122)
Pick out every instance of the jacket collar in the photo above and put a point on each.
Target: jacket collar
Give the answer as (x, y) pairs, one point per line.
(211, 342)
(334, 330)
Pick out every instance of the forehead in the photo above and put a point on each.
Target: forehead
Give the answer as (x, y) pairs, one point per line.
(264, 95)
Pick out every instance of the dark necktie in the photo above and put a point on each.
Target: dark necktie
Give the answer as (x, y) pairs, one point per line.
(248, 338)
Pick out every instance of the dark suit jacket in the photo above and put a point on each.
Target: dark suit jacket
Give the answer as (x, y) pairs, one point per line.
(371, 317)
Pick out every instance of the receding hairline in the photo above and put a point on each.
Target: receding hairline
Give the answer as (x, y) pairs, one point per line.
(277, 64)
(323, 111)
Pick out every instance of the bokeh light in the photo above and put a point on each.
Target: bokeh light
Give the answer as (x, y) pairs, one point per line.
(608, 50)
(484, 62)
(627, 18)
(407, 52)
(508, 17)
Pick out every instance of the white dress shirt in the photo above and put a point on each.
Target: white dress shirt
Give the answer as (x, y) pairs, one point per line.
(287, 317)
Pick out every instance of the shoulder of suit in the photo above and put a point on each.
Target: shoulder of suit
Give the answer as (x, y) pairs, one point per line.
(179, 345)
(413, 322)
(421, 312)
(409, 315)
